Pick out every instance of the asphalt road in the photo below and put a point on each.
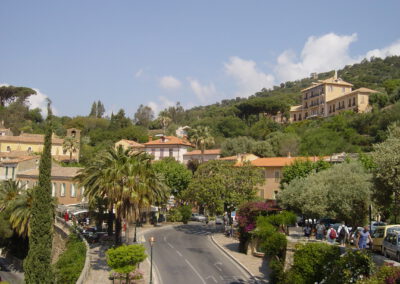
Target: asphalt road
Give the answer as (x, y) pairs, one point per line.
(186, 255)
(7, 273)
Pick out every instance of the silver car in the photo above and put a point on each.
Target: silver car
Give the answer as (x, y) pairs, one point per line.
(391, 245)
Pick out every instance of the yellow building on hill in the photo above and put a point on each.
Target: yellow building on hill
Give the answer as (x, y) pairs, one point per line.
(33, 143)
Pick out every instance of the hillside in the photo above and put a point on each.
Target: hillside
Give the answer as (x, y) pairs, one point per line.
(238, 125)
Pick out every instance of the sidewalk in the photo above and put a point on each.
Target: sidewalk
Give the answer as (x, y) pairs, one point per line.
(257, 266)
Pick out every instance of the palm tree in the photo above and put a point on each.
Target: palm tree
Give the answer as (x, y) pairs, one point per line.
(201, 137)
(9, 190)
(21, 213)
(128, 181)
(70, 145)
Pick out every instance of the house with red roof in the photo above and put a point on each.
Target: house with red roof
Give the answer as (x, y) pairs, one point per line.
(168, 146)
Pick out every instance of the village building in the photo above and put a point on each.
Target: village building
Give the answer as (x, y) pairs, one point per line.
(130, 144)
(34, 143)
(15, 162)
(168, 146)
(64, 188)
(208, 155)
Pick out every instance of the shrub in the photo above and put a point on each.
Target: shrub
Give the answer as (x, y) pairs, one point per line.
(186, 212)
(123, 259)
(275, 245)
(311, 262)
(386, 274)
(174, 215)
(70, 264)
(350, 267)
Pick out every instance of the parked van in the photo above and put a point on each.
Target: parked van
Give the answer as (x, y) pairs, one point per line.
(391, 245)
(380, 233)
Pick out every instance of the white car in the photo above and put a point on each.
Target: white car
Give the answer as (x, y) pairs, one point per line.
(198, 217)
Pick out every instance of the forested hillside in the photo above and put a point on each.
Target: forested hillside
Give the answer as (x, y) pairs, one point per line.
(237, 125)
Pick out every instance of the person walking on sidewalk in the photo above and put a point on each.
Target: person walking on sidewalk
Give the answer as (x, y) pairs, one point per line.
(362, 238)
(320, 230)
(331, 235)
(343, 233)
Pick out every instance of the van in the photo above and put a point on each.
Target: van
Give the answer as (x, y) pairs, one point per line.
(380, 233)
(391, 245)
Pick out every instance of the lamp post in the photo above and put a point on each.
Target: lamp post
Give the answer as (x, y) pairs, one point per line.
(152, 241)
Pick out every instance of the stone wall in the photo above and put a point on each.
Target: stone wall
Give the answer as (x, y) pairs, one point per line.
(60, 238)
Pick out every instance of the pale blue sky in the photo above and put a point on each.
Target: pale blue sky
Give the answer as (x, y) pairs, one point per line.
(127, 53)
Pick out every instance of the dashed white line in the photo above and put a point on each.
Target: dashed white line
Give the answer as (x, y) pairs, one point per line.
(171, 246)
(178, 253)
(195, 271)
(213, 278)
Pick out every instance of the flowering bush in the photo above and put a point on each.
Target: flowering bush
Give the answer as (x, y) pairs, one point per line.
(387, 274)
(134, 275)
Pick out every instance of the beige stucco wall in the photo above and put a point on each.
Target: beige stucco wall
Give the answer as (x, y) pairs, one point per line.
(33, 147)
(271, 185)
(56, 189)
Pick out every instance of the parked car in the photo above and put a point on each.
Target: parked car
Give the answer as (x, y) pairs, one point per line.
(219, 220)
(198, 217)
(376, 224)
(391, 245)
(380, 233)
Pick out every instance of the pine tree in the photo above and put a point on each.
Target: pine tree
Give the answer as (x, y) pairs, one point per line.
(100, 109)
(93, 111)
(37, 264)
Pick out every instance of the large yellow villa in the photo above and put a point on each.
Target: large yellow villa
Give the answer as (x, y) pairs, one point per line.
(327, 98)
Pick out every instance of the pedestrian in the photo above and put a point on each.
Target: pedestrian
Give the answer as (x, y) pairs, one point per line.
(320, 230)
(362, 237)
(307, 231)
(331, 235)
(343, 233)
(66, 216)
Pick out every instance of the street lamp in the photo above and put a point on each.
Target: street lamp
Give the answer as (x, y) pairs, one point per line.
(152, 241)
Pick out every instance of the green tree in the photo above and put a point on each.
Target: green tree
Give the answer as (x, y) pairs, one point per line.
(177, 177)
(10, 94)
(342, 191)
(238, 145)
(144, 115)
(262, 149)
(93, 110)
(386, 158)
(70, 145)
(201, 137)
(37, 265)
(124, 259)
(218, 186)
(100, 109)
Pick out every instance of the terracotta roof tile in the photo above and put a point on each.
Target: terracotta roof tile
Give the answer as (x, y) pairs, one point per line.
(169, 140)
(206, 152)
(19, 159)
(32, 138)
(61, 172)
(360, 90)
(131, 143)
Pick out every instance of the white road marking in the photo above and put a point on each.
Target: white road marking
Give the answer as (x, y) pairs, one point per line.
(195, 271)
(171, 246)
(165, 239)
(178, 253)
(217, 266)
(222, 278)
(213, 278)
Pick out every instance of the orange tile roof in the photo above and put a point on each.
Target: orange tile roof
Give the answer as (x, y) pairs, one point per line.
(331, 80)
(169, 140)
(206, 152)
(19, 159)
(14, 154)
(32, 138)
(132, 143)
(56, 172)
(360, 90)
(280, 161)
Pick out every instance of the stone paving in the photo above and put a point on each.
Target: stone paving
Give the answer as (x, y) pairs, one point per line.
(258, 266)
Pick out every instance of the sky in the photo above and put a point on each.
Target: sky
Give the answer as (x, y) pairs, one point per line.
(156, 53)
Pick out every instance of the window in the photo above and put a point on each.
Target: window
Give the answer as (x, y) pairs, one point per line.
(299, 116)
(322, 111)
(153, 152)
(275, 194)
(354, 101)
(171, 152)
(6, 172)
(343, 89)
(73, 190)
(53, 189)
(265, 173)
(27, 184)
(13, 173)
(334, 108)
(162, 153)
(349, 105)
(330, 109)
(277, 176)
(294, 117)
(29, 149)
(62, 190)
(8, 148)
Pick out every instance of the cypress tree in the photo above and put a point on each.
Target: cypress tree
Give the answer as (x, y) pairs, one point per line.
(37, 265)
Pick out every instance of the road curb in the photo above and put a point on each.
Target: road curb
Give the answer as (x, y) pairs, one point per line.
(232, 257)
